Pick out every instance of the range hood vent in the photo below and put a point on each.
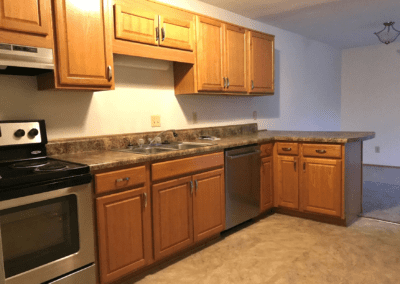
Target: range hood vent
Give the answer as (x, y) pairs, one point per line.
(25, 60)
(141, 62)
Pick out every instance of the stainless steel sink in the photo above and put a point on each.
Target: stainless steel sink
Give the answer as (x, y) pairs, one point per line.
(145, 150)
(155, 149)
(185, 145)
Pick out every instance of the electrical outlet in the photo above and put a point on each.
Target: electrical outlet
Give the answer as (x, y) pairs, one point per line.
(194, 117)
(377, 149)
(155, 121)
(255, 115)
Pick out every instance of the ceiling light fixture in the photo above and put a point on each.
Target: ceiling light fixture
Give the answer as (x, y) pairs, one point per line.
(388, 34)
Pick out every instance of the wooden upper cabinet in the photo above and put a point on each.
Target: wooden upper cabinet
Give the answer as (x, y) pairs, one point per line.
(136, 25)
(176, 33)
(27, 16)
(210, 54)
(208, 204)
(235, 59)
(261, 62)
(124, 233)
(83, 44)
(172, 216)
(321, 186)
(266, 184)
(26, 22)
(153, 30)
(287, 181)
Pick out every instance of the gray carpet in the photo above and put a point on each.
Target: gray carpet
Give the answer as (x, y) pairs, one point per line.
(381, 201)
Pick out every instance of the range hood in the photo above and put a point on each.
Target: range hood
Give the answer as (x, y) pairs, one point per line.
(25, 60)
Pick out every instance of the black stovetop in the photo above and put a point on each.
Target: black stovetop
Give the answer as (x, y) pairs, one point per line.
(40, 170)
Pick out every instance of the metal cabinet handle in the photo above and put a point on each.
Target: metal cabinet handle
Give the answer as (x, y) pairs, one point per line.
(252, 84)
(287, 149)
(295, 165)
(320, 151)
(122, 179)
(227, 82)
(157, 34)
(304, 166)
(197, 185)
(162, 34)
(109, 71)
(224, 82)
(191, 187)
(145, 199)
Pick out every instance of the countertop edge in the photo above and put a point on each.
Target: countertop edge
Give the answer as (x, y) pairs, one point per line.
(130, 159)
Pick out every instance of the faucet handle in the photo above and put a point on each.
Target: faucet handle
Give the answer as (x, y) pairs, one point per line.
(141, 142)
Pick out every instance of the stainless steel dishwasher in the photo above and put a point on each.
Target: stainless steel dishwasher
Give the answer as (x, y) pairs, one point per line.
(242, 184)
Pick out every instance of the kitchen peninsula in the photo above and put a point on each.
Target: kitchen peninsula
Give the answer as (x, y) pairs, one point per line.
(315, 175)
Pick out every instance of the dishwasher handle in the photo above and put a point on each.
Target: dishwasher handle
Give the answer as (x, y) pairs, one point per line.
(244, 155)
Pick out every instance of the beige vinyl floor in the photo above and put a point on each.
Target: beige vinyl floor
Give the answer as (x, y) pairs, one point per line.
(287, 250)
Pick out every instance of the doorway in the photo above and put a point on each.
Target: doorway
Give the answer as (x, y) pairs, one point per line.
(381, 193)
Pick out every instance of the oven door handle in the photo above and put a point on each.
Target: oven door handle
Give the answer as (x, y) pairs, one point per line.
(2, 272)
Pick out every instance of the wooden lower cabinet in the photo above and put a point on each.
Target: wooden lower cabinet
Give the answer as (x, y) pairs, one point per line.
(187, 210)
(266, 184)
(172, 216)
(124, 233)
(208, 204)
(287, 181)
(321, 186)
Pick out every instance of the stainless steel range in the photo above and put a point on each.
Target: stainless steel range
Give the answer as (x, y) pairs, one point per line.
(46, 211)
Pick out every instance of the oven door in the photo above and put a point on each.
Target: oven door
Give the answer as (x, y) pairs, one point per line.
(46, 235)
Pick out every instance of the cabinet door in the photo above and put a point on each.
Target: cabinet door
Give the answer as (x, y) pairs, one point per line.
(266, 188)
(322, 186)
(235, 59)
(176, 33)
(288, 182)
(261, 63)
(136, 25)
(209, 204)
(27, 16)
(83, 42)
(210, 57)
(172, 216)
(124, 233)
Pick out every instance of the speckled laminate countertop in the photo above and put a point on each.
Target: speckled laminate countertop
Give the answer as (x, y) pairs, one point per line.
(100, 160)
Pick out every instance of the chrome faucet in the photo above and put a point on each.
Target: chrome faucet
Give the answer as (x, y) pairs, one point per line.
(173, 132)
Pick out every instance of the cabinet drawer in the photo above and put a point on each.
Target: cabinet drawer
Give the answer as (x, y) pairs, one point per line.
(288, 148)
(185, 166)
(119, 179)
(266, 149)
(322, 150)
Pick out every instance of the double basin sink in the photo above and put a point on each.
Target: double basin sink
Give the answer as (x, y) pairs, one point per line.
(161, 148)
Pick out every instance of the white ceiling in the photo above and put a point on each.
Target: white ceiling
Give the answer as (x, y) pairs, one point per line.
(339, 23)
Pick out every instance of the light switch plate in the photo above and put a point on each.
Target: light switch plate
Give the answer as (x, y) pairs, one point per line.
(155, 121)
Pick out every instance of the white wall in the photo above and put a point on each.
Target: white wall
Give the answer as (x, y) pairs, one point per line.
(371, 99)
(307, 94)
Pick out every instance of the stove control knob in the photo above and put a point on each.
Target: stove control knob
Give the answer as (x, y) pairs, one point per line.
(19, 133)
(33, 132)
